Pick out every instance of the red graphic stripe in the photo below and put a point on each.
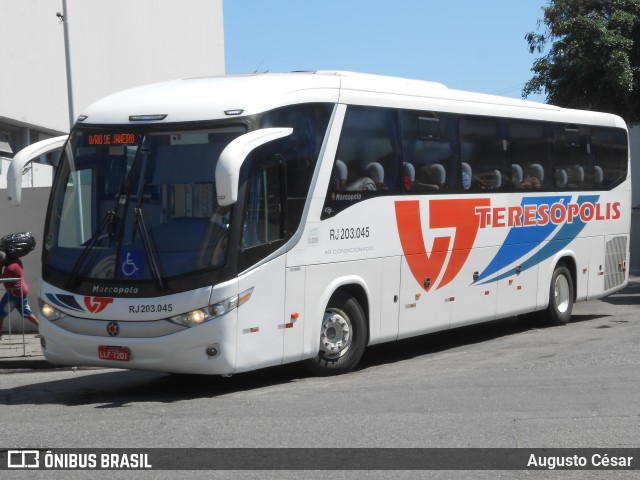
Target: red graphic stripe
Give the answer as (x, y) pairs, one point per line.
(457, 214)
(422, 264)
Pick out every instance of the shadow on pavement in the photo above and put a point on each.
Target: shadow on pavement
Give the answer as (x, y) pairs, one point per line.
(114, 389)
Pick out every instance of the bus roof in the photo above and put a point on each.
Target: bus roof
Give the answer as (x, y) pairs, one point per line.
(199, 99)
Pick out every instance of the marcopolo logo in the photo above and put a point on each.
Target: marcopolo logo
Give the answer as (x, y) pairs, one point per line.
(461, 219)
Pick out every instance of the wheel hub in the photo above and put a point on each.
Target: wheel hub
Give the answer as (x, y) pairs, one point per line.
(335, 334)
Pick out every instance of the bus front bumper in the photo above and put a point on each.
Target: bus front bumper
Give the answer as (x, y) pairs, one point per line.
(206, 349)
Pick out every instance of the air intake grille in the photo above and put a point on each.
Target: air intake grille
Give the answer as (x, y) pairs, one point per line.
(615, 262)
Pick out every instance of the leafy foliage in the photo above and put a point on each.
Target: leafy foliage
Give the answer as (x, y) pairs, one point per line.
(593, 61)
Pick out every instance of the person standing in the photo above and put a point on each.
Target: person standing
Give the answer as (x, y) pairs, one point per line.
(12, 268)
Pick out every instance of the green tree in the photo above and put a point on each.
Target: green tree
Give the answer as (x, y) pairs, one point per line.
(593, 56)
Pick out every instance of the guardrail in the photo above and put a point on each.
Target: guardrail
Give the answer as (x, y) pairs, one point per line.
(8, 317)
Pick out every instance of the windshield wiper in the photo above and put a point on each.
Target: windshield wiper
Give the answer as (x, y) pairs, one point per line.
(106, 221)
(148, 247)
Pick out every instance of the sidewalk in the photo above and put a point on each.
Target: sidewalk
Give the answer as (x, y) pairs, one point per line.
(22, 352)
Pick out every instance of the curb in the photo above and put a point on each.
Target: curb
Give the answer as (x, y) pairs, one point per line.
(25, 364)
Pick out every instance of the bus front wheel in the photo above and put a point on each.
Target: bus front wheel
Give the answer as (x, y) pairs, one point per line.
(560, 296)
(343, 336)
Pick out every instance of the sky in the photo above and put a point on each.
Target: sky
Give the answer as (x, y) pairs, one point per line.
(470, 45)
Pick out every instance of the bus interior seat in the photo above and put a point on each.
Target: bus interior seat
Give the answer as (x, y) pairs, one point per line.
(376, 173)
(516, 174)
(408, 175)
(495, 180)
(561, 178)
(576, 176)
(466, 175)
(431, 177)
(342, 179)
(437, 175)
(536, 170)
(598, 176)
(339, 175)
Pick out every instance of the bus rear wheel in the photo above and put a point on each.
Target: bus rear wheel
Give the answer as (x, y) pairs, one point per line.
(560, 297)
(343, 336)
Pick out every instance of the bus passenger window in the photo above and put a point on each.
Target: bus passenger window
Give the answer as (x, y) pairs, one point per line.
(368, 148)
(530, 149)
(570, 156)
(483, 147)
(427, 151)
(367, 159)
(609, 153)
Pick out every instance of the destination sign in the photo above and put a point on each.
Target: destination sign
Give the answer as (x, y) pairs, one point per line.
(112, 139)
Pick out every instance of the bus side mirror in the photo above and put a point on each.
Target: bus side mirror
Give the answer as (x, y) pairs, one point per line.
(234, 155)
(22, 159)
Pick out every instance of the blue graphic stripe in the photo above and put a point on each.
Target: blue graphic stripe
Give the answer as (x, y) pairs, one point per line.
(521, 241)
(564, 237)
(65, 301)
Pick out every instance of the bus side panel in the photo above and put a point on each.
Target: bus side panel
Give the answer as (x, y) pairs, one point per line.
(389, 305)
(294, 319)
(423, 308)
(473, 303)
(259, 332)
(517, 292)
(580, 249)
(596, 267)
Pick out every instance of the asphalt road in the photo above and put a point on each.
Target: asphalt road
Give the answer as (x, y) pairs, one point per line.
(502, 384)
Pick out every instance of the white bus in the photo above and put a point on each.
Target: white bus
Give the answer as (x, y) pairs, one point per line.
(220, 225)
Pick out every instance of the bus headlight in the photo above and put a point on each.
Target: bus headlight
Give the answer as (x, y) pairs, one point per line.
(48, 311)
(205, 314)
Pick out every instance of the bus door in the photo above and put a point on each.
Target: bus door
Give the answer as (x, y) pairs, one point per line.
(260, 318)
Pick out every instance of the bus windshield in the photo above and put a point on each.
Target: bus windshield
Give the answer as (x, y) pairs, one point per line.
(138, 204)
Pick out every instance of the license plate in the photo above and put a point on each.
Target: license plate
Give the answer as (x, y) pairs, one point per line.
(120, 354)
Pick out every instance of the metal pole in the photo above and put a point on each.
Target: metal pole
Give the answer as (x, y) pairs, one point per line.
(21, 310)
(67, 54)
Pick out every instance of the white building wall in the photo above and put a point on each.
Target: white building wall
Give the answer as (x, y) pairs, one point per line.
(33, 83)
(118, 44)
(36, 175)
(114, 44)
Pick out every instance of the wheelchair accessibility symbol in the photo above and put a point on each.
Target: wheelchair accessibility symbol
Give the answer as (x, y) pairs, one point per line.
(131, 265)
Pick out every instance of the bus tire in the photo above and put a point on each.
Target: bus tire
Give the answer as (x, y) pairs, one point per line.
(560, 296)
(343, 337)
